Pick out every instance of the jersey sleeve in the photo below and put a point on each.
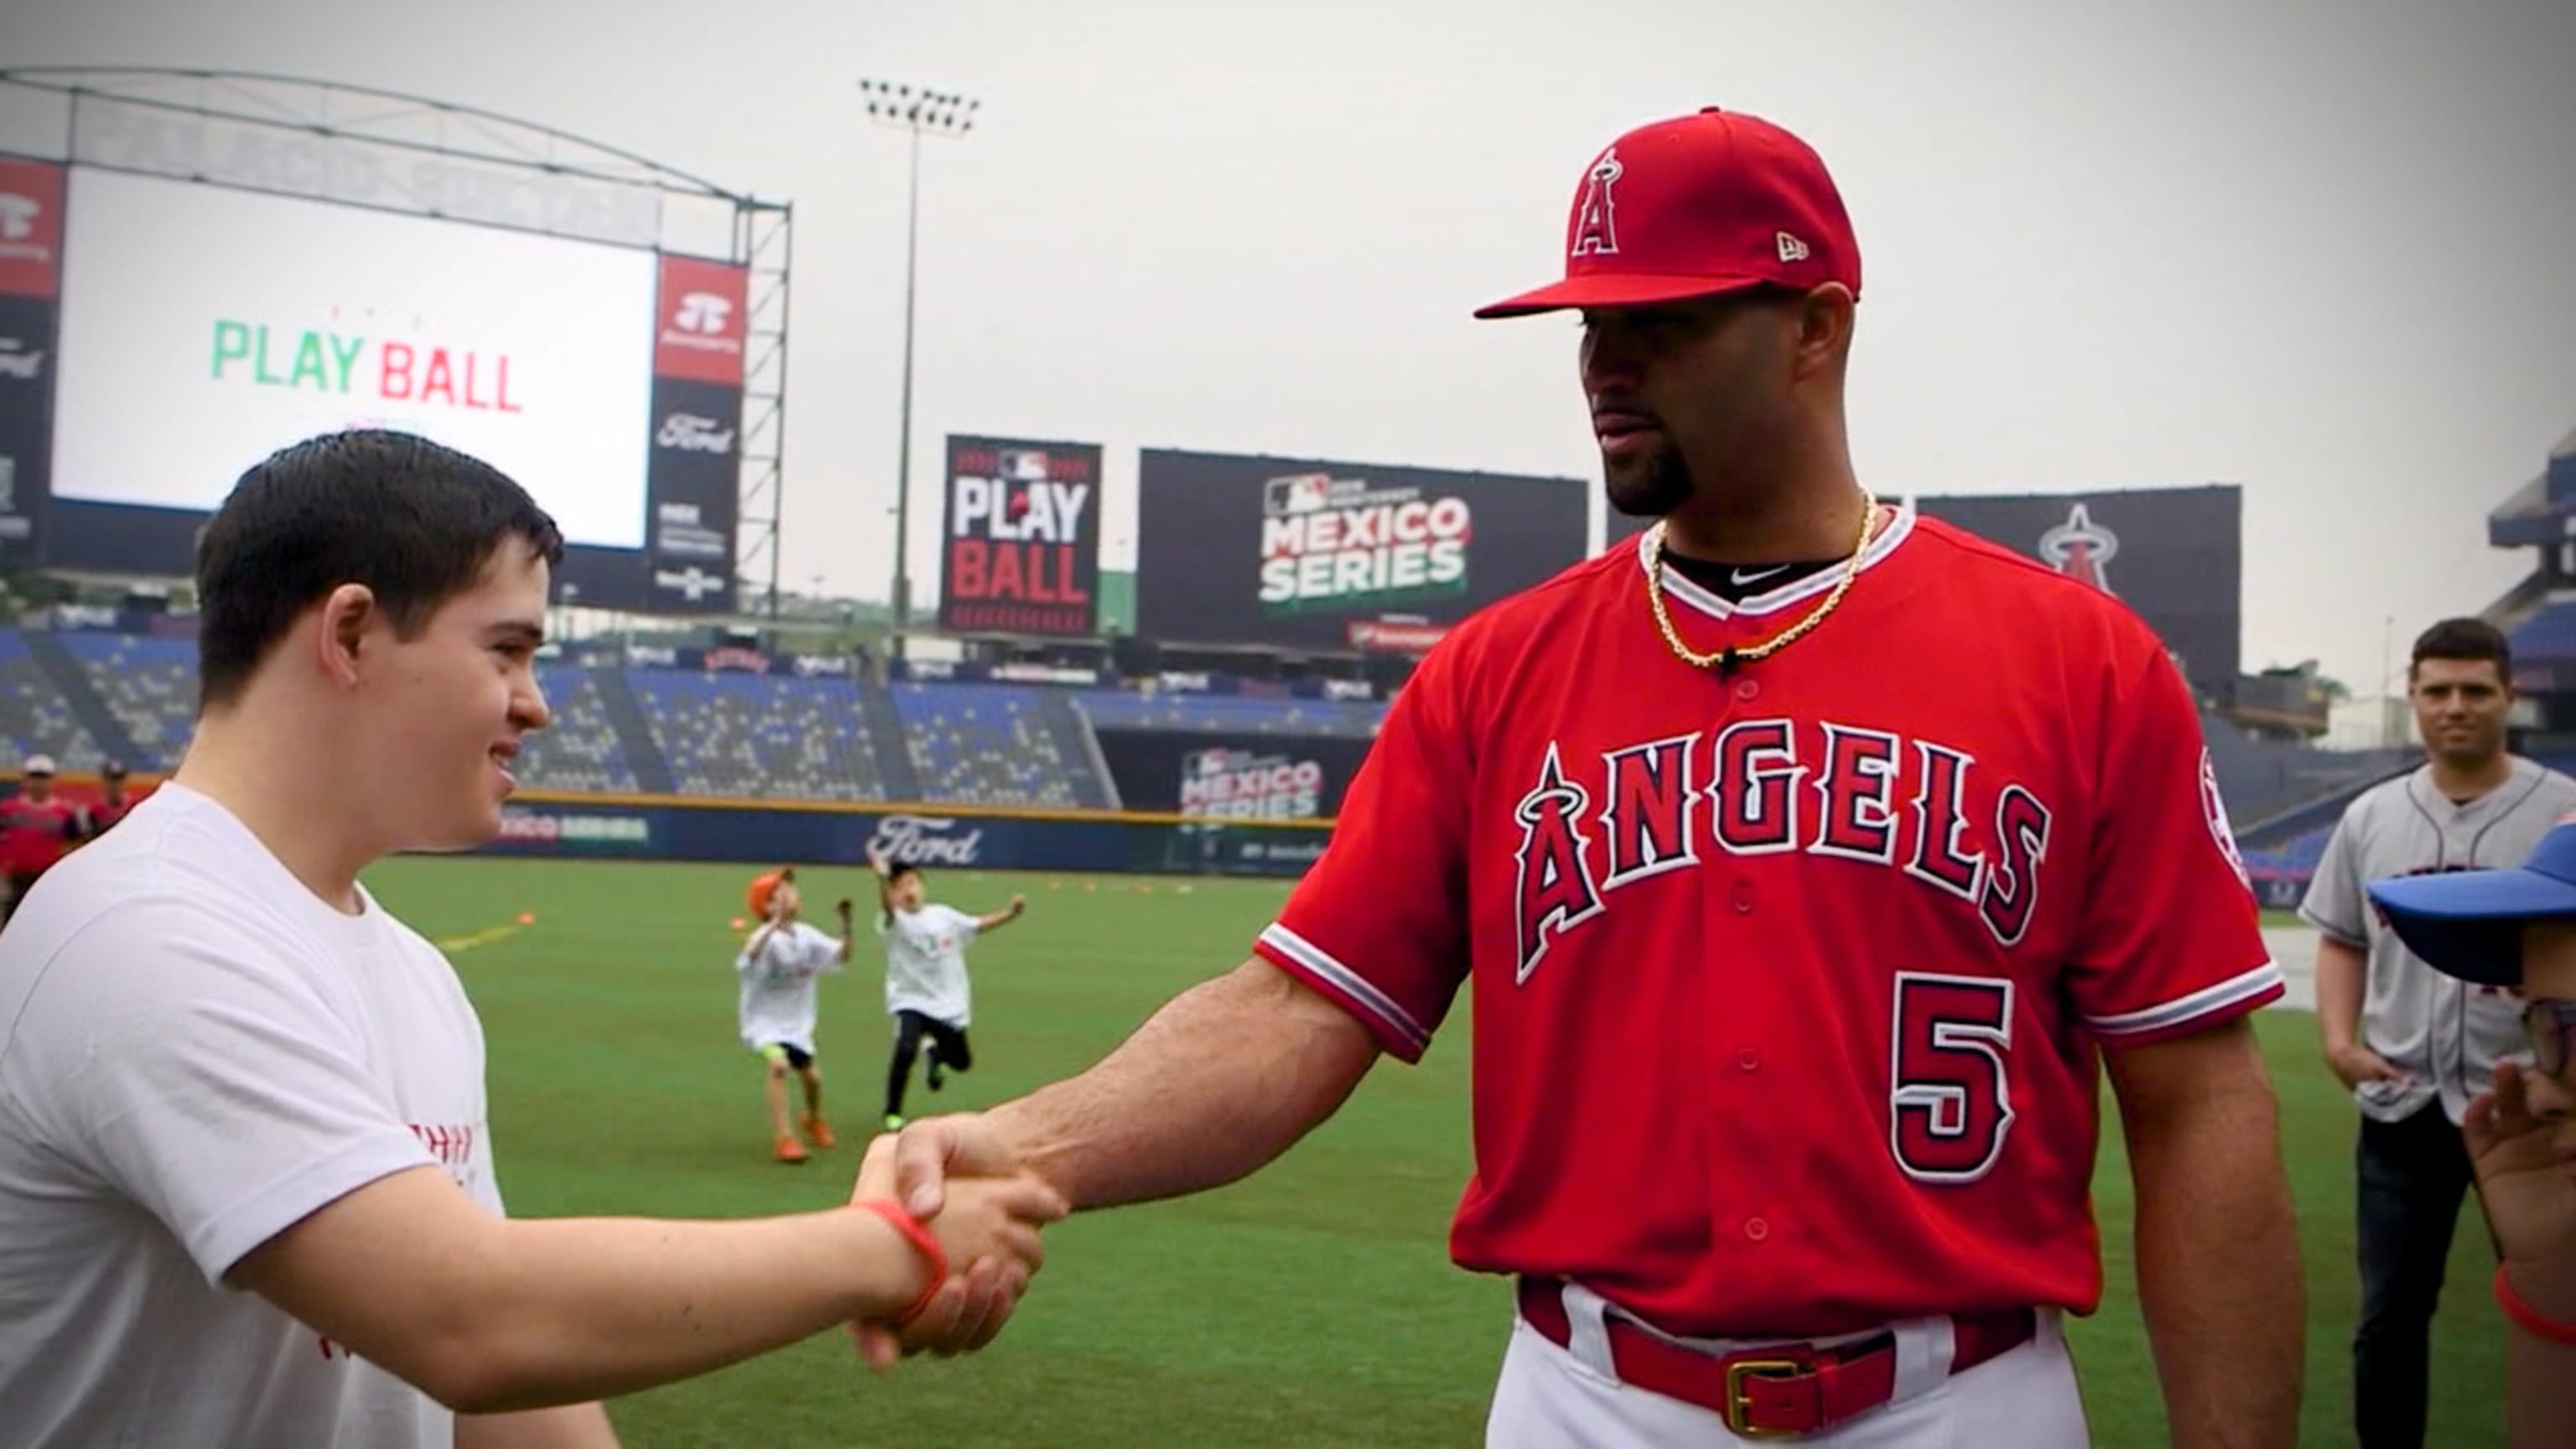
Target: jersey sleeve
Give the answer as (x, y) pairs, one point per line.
(2172, 939)
(2334, 903)
(1379, 923)
(164, 1054)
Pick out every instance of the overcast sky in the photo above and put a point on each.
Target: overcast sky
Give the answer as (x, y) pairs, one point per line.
(2321, 248)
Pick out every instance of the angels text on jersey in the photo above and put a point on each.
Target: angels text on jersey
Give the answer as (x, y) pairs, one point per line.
(1590, 825)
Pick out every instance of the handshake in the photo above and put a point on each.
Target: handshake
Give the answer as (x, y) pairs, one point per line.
(958, 1180)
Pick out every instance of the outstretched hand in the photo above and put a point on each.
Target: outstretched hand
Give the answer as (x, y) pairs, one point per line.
(949, 1172)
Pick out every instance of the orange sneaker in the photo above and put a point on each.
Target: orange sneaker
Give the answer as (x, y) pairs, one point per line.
(818, 1132)
(790, 1150)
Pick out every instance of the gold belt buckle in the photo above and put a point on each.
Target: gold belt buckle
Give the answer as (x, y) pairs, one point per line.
(1739, 1405)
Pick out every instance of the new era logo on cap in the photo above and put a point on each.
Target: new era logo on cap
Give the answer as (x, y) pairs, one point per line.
(1697, 206)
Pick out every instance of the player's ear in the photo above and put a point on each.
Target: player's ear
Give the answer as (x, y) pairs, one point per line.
(1825, 318)
(344, 618)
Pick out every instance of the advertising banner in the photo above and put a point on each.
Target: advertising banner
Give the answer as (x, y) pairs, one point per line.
(1019, 537)
(1237, 777)
(1300, 553)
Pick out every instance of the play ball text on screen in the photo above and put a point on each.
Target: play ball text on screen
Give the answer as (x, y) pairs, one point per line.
(203, 328)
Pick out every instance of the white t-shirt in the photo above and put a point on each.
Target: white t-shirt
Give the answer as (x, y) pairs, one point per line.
(196, 1053)
(778, 985)
(926, 962)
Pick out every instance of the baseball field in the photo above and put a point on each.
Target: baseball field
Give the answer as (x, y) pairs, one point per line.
(1312, 1305)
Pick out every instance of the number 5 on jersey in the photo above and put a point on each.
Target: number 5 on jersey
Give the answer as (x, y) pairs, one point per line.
(1949, 1098)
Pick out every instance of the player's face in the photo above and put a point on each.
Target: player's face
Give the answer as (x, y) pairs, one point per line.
(445, 711)
(907, 891)
(2460, 708)
(38, 788)
(1686, 394)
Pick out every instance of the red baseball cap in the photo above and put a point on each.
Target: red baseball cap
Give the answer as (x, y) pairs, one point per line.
(1697, 206)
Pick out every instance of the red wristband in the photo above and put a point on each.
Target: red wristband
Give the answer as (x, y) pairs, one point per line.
(921, 1238)
(2527, 1316)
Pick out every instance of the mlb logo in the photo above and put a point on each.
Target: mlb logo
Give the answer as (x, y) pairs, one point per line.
(1305, 493)
(1024, 465)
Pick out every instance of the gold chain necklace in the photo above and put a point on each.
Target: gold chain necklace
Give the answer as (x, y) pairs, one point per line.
(1730, 659)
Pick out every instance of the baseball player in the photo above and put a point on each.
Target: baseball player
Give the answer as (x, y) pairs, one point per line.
(2412, 1045)
(1810, 860)
(38, 827)
(2513, 929)
(779, 966)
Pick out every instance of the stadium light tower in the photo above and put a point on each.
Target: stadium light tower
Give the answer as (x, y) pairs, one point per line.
(923, 113)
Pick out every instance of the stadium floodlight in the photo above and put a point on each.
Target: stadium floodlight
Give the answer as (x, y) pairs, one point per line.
(922, 112)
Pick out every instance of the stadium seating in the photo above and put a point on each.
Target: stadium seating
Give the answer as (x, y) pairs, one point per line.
(34, 719)
(983, 744)
(760, 736)
(1234, 714)
(149, 684)
(579, 750)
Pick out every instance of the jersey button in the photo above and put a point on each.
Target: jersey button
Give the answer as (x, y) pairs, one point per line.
(1746, 689)
(1756, 1229)
(1749, 1059)
(1743, 899)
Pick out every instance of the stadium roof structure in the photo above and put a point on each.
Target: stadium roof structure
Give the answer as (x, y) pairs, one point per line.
(2542, 511)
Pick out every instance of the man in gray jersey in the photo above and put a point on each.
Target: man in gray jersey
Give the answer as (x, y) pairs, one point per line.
(2406, 1039)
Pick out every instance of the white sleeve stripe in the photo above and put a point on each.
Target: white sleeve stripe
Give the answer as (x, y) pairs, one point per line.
(2234, 991)
(1342, 978)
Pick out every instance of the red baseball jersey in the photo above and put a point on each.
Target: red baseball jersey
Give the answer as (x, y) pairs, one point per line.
(36, 834)
(1789, 987)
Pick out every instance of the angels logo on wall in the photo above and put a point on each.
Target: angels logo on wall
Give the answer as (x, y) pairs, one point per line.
(2079, 548)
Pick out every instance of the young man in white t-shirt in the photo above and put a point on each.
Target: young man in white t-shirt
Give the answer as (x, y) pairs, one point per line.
(926, 992)
(780, 965)
(247, 1186)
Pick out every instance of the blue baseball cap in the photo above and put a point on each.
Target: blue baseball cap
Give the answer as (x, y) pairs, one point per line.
(2469, 923)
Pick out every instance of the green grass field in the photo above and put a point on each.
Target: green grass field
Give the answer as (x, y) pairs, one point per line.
(1312, 1305)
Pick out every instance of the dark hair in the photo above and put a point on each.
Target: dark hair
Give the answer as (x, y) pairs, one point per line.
(413, 521)
(899, 870)
(2464, 639)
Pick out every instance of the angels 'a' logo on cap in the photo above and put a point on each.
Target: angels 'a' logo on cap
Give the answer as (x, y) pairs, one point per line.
(1596, 220)
(2079, 548)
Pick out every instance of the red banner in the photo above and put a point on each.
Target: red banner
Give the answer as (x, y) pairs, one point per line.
(31, 227)
(702, 322)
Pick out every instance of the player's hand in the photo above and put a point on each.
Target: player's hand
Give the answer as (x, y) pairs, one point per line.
(931, 1165)
(2530, 1199)
(1019, 904)
(2356, 1064)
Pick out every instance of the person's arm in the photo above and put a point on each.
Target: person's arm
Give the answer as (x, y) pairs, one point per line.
(1163, 1116)
(238, 1111)
(884, 869)
(2218, 1267)
(992, 920)
(491, 1315)
(2334, 905)
(573, 1426)
(2343, 975)
(2169, 960)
